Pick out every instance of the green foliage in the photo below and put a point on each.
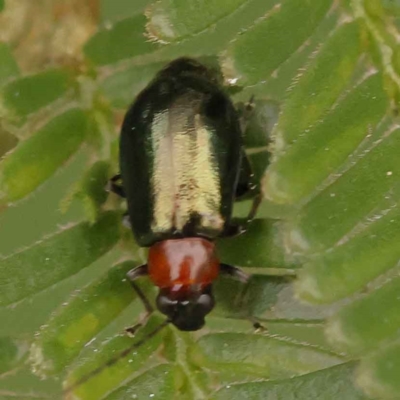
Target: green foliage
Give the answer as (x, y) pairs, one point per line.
(326, 82)
(261, 247)
(316, 91)
(56, 257)
(123, 41)
(168, 19)
(8, 66)
(328, 384)
(38, 157)
(256, 54)
(77, 321)
(327, 145)
(28, 94)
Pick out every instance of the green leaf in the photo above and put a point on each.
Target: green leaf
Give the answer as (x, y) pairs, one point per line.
(7, 142)
(120, 88)
(91, 190)
(37, 158)
(210, 41)
(8, 66)
(317, 91)
(297, 172)
(262, 244)
(28, 94)
(256, 53)
(333, 163)
(218, 352)
(41, 214)
(350, 266)
(124, 40)
(278, 85)
(9, 353)
(368, 322)
(375, 174)
(378, 374)
(157, 382)
(80, 319)
(171, 20)
(328, 384)
(283, 355)
(111, 376)
(262, 355)
(56, 257)
(114, 10)
(256, 299)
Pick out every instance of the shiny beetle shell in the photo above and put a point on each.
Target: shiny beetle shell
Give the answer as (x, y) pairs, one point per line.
(180, 156)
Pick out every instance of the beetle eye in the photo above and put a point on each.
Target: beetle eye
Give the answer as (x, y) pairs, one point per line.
(206, 302)
(166, 305)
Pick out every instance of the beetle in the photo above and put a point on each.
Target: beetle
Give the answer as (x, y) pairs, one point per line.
(182, 166)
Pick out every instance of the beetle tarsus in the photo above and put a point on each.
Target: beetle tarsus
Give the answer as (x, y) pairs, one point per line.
(257, 326)
(114, 187)
(246, 111)
(245, 187)
(131, 330)
(254, 207)
(234, 272)
(137, 272)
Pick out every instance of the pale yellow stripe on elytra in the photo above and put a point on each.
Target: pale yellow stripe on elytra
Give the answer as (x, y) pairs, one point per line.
(197, 187)
(184, 183)
(185, 179)
(163, 176)
(207, 179)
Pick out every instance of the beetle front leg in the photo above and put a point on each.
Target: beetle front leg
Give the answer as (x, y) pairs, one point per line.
(234, 272)
(132, 275)
(114, 187)
(239, 225)
(238, 274)
(246, 111)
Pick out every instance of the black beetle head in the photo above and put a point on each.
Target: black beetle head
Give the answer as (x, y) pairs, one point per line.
(186, 66)
(187, 313)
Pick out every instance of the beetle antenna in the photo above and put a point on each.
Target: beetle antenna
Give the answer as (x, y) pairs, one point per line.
(116, 358)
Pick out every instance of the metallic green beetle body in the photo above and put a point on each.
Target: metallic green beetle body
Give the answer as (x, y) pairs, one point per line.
(180, 156)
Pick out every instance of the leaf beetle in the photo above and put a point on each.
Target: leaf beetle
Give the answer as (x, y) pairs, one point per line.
(182, 166)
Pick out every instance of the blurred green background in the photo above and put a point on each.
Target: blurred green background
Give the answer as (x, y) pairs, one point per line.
(324, 247)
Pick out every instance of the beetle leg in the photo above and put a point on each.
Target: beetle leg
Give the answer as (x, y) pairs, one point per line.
(126, 221)
(134, 274)
(257, 326)
(254, 207)
(114, 187)
(238, 274)
(234, 272)
(246, 111)
(115, 178)
(239, 225)
(244, 187)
